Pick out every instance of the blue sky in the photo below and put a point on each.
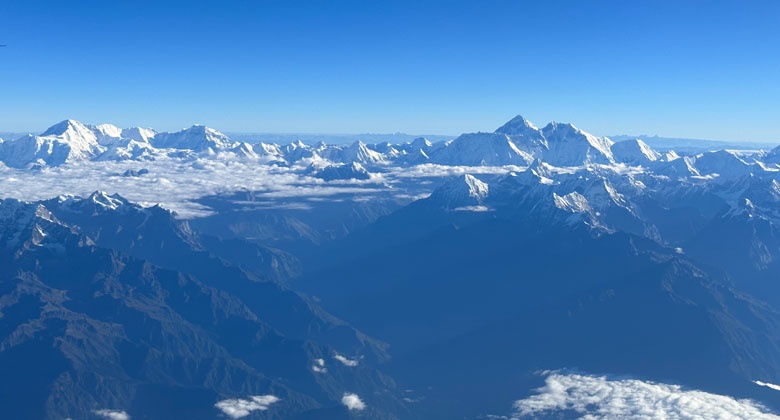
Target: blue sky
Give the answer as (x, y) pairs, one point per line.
(687, 68)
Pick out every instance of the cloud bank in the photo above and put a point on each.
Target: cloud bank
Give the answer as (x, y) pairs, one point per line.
(597, 397)
(177, 183)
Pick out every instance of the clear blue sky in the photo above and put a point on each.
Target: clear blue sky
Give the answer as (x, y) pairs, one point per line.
(703, 69)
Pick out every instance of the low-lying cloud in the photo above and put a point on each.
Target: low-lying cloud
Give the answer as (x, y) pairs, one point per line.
(177, 183)
(112, 414)
(768, 385)
(592, 397)
(345, 361)
(238, 407)
(353, 402)
(319, 366)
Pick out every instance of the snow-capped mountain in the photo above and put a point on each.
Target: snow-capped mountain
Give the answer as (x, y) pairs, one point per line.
(480, 149)
(634, 152)
(518, 142)
(198, 138)
(71, 141)
(519, 127)
(360, 153)
(724, 164)
(345, 171)
(23, 226)
(67, 141)
(570, 146)
(462, 193)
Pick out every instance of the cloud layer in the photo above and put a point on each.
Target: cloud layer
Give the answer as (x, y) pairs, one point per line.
(176, 183)
(592, 397)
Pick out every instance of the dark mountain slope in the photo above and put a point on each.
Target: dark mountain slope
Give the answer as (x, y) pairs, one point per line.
(502, 298)
(84, 328)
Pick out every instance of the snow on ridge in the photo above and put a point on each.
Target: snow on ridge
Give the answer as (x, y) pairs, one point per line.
(634, 152)
(572, 202)
(517, 126)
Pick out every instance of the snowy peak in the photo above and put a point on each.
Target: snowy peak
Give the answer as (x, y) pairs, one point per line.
(682, 167)
(26, 225)
(635, 152)
(347, 171)
(63, 142)
(244, 149)
(359, 152)
(420, 143)
(101, 199)
(601, 195)
(518, 126)
(462, 193)
(78, 136)
(541, 169)
(573, 202)
(143, 135)
(536, 173)
(198, 138)
(271, 152)
(481, 149)
(721, 163)
(69, 129)
(108, 130)
(476, 188)
(97, 203)
(570, 146)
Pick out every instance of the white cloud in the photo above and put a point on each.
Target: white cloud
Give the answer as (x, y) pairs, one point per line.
(238, 408)
(768, 385)
(319, 366)
(112, 414)
(433, 170)
(353, 402)
(594, 397)
(345, 361)
(177, 183)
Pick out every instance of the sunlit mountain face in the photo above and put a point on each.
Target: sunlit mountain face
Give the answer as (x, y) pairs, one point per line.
(529, 272)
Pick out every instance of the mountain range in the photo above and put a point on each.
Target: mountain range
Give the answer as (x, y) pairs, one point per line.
(422, 279)
(518, 142)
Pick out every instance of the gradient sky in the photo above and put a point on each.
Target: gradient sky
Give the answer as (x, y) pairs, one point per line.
(684, 68)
